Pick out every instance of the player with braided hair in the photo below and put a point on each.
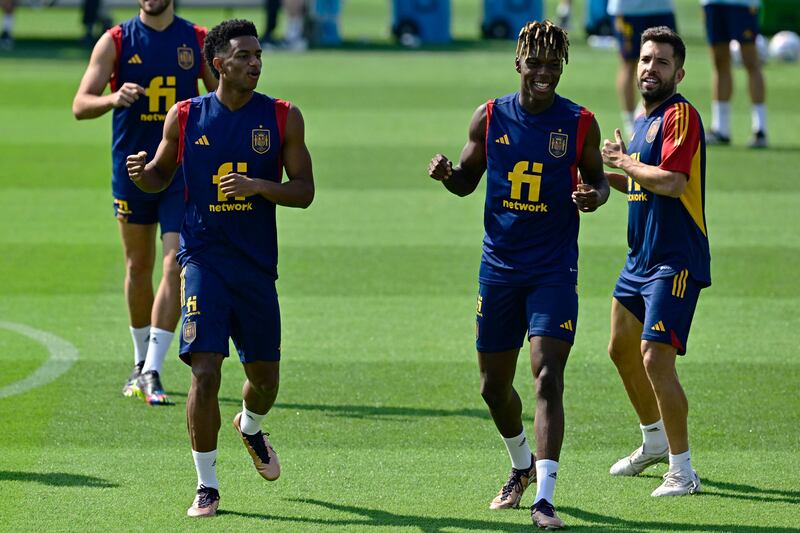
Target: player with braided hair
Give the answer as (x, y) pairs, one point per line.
(531, 144)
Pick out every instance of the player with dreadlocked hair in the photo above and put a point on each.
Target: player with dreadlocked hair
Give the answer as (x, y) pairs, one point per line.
(531, 144)
(535, 36)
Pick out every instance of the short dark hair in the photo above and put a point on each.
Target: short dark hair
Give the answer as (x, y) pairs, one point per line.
(219, 38)
(665, 34)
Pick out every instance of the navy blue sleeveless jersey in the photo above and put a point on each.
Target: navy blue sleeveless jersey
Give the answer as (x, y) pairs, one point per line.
(215, 141)
(667, 235)
(530, 221)
(167, 64)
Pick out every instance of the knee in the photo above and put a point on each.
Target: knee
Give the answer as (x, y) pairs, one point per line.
(206, 378)
(618, 353)
(138, 268)
(549, 383)
(170, 267)
(265, 382)
(655, 364)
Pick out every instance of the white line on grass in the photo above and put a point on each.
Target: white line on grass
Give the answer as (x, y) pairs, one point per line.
(62, 356)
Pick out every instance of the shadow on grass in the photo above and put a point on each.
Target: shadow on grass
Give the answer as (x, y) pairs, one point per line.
(599, 522)
(56, 479)
(749, 492)
(377, 517)
(373, 412)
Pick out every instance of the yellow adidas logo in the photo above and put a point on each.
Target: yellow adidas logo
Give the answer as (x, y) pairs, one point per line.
(503, 140)
(659, 327)
(203, 141)
(567, 326)
(135, 60)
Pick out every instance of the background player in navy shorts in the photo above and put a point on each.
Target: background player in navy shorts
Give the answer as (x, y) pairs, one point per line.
(232, 145)
(726, 21)
(631, 18)
(668, 260)
(531, 145)
(151, 61)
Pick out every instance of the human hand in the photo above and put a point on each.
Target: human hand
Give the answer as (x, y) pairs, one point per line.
(126, 95)
(586, 197)
(614, 152)
(440, 168)
(135, 164)
(237, 185)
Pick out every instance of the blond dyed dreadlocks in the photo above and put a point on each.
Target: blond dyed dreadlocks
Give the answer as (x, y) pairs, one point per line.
(536, 36)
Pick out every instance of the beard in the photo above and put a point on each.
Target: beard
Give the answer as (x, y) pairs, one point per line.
(157, 10)
(663, 91)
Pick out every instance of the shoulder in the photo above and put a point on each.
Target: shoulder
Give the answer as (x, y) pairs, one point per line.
(506, 100)
(681, 111)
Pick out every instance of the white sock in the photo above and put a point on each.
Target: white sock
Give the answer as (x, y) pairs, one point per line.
(160, 340)
(8, 22)
(206, 465)
(627, 123)
(759, 115)
(654, 437)
(294, 28)
(519, 451)
(140, 340)
(721, 117)
(681, 462)
(250, 422)
(546, 474)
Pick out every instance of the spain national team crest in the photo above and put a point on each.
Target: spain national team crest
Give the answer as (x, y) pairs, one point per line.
(185, 57)
(558, 144)
(261, 141)
(189, 331)
(652, 131)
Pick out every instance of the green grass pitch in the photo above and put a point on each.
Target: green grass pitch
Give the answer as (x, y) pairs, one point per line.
(379, 423)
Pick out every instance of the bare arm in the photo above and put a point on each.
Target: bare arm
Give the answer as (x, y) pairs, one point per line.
(299, 190)
(593, 191)
(464, 178)
(90, 102)
(651, 177)
(157, 174)
(618, 181)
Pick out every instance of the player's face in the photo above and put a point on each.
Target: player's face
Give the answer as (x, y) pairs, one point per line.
(241, 68)
(658, 75)
(154, 7)
(540, 74)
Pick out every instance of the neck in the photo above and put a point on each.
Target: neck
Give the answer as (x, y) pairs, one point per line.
(233, 99)
(533, 105)
(649, 107)
(158, 22)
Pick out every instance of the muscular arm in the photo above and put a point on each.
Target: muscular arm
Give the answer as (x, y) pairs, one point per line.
(464, 178)
(90, 102)
(651, 177)
(299, 190)
(157, 174)
(618, 181)
(591, 168)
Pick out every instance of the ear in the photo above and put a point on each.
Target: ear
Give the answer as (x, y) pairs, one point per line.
(680, 75)
(517, 65)
(217, 62)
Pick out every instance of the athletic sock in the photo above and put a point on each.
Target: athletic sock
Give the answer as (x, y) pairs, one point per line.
(8, 23)
(294, 28)
(250, 422)
(654, 437)
(721, 117)
(759, 116)
(206, 465)
(160, 339)
(681, 462)
(546, 475)
(140, 340)
(627, 124)
(519, 451)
